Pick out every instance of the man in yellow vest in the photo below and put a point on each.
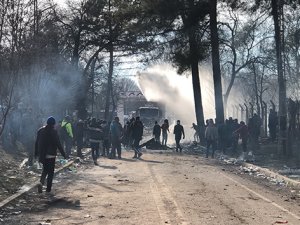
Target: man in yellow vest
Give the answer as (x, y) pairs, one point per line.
(67, 134)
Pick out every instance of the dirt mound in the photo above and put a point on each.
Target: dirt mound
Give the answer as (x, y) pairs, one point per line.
(13, 173)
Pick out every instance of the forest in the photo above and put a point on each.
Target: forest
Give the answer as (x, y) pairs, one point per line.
(60, 57)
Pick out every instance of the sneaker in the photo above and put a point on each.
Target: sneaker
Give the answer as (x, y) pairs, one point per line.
(139, 155)
(134, 157)
(96, 163)
(40, 188)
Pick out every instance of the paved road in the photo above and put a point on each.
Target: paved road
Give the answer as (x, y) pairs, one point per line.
(160, 189)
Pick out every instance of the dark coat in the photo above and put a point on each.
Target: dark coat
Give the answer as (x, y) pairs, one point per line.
(79, 130)
(47, 143)
(156, 130)
(137, 131)
(95, 133)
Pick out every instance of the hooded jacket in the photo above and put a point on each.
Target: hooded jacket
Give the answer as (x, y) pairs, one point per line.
(47, 143)
(68, 126)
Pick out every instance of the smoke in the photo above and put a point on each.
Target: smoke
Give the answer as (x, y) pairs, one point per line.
(40, 93)
(48, 93)
(161, 83)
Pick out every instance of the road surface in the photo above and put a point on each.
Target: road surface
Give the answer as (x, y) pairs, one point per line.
(163, 188)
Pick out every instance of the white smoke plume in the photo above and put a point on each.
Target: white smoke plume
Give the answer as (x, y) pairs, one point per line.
(161, 83)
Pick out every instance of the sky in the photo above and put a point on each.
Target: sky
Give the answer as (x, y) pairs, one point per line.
(61, 2)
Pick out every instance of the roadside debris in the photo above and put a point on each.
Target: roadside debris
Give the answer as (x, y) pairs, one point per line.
(254, 171)
(23, 163)
(290, 172)
(16, 213)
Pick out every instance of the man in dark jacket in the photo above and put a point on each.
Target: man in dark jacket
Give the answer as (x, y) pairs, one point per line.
(79, 137)
(46, 145)
(273, 122)
(137, 134)
(106, 138)
(179, 133)
(95, 137)
(156, 132)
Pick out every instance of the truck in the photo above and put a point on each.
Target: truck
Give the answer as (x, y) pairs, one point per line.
(148, 115)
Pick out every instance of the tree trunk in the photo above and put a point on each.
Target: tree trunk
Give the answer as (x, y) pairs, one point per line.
(256, 90)
(216, 62)
(196, 83)
(109, 82)
(93, 84)
(75, 54)
(226, 114)
(276, 12)
(111, 67)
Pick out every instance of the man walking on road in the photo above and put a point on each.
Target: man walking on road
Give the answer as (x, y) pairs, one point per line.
(46, 145)
(137, 134)
(156, 132)
(67, 134)
(106, 139)
(116, 132)
(179, 133)
(95, 134)
(79, 137)
(211, 136)
(165, 130)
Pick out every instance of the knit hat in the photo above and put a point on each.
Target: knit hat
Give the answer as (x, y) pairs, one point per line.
(51, 121)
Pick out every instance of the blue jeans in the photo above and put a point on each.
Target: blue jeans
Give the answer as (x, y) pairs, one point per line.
(116, 145)
(164, 138)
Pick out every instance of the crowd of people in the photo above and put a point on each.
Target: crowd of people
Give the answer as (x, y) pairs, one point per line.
(105, 138)
(226, 136)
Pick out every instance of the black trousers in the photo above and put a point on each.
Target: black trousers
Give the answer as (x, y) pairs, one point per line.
(178, 145)
(105, 146)
(95, 150)
(79, 147)
(48, 170)
(244, 144)
(212, 144)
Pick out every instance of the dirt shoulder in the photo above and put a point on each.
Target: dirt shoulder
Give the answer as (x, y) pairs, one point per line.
(12, 174)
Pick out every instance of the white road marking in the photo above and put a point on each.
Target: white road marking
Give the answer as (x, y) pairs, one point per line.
(160, 192)
(262, 197)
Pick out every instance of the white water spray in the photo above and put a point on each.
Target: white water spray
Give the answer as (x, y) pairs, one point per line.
(161, 83)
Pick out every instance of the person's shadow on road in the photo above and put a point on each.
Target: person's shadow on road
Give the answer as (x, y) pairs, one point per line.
(128, 160)
(150, 161)
(64, 203)
(108, 167)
